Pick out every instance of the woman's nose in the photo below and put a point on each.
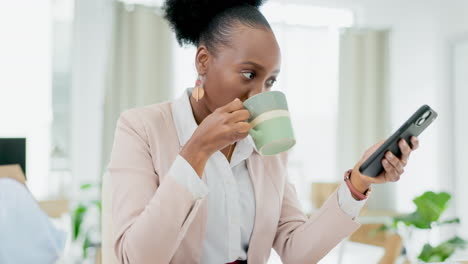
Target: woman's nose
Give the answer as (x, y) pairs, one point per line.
(255, 91)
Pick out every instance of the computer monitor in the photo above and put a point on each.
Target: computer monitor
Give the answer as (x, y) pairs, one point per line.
(13, 151)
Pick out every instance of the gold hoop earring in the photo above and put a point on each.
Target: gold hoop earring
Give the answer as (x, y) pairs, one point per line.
(198, 92)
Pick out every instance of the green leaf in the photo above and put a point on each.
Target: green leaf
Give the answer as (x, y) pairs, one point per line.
(429, 208)
(431, 205)
(77, 219)
(85, 186)
(381, 228)
(441, 252)
(98, 204)
(450, 221)
(458, 242)
(86, 245)
(414, 219)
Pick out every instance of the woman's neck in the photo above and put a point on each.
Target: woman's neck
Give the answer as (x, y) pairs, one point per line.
(200, 112)
(199, 109)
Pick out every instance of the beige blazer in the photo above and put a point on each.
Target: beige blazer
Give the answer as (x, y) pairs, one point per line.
(156, 220)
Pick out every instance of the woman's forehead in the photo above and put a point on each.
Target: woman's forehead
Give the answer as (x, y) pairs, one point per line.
(256, 45)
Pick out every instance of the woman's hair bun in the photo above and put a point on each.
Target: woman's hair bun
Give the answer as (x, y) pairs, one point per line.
(190, 18)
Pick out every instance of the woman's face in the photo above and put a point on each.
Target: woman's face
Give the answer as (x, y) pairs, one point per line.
(248, 66)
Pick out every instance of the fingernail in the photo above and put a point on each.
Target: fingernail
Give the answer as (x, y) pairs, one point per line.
(389, 155)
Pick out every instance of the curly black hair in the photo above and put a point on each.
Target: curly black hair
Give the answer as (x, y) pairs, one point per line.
(210, 22)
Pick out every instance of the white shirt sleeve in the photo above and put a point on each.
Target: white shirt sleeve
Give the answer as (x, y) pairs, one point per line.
(348, 204)
(184, 174)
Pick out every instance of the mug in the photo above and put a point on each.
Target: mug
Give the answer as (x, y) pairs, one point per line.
(272, 130)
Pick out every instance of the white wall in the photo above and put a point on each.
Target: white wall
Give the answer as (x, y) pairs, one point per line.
(420, 73)
(461, 129)
(25, 83)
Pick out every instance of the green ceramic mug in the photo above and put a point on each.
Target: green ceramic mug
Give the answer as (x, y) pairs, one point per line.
(271, 130)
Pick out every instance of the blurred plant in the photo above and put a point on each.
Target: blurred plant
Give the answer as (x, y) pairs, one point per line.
(79, 216)
(429, 208)
(441, 252)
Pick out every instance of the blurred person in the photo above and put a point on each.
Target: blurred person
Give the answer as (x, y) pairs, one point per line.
(26, 233)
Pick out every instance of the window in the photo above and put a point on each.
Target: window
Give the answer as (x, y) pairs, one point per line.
(309, 40)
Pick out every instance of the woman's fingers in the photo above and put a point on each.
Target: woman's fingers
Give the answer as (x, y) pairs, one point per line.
(395, 162)
(414, 142)
(391, 172)
(239, 115)
(242, 127)
(405, 151)
(394, 167)
(234, 105)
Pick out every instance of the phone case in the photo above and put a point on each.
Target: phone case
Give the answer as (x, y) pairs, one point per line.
(414, 126)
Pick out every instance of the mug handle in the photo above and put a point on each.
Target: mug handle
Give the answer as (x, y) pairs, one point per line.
(255, 133)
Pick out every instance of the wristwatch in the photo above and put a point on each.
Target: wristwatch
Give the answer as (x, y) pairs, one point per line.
(356, 193)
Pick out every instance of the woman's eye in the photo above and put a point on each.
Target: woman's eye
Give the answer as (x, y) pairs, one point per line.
(248, 75)
(271, 82)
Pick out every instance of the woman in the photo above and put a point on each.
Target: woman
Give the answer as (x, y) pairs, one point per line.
(188, 185)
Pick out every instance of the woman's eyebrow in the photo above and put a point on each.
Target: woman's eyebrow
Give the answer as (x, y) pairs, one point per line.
(260, 67)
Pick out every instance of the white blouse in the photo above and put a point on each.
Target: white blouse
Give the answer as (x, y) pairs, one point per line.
(229, 191)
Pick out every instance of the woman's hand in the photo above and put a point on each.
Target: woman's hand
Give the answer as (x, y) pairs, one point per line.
(393, 166)
(218, 130)
(224, 126)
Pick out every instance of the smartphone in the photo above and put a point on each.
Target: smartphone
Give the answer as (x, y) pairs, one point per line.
(414, 126)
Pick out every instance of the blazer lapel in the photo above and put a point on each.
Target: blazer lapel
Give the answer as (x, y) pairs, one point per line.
(266, 176)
